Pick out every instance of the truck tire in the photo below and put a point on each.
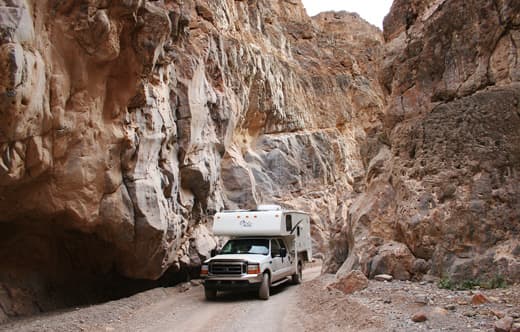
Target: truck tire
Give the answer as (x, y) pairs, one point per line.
(210, 293)
(263, 292)
(297, 277)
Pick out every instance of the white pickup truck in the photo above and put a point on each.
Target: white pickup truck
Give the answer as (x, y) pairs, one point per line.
(267, 246)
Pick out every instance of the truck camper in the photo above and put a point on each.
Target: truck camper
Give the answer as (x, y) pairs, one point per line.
(266, 247)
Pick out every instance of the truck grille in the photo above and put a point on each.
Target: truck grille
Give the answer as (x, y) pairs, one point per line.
(228, 268)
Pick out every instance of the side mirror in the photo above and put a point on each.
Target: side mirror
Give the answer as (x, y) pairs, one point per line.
(214, 252)
(283, 252)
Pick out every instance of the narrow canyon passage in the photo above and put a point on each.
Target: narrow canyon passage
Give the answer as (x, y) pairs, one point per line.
(126, 125)
(166, 309)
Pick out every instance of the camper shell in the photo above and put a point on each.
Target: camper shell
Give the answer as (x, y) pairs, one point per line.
(269, 221)
(267, 246)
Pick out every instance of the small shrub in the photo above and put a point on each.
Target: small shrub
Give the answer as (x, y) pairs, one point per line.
(446, 283)
(495, 282)
(468, 284)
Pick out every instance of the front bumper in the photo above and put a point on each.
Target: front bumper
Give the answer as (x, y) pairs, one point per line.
(245, 281)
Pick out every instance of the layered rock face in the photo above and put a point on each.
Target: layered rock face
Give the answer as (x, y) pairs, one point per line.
(125, 124)
(443, 193)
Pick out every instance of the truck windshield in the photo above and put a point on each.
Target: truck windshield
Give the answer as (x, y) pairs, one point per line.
(246, 246)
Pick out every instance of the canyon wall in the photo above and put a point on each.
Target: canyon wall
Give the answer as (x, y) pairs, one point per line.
(125, 124)
(443, 193)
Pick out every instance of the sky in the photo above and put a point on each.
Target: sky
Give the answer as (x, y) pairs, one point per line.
(371, 10)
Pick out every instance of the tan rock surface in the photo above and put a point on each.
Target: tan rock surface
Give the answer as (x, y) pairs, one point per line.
(446, 184)
(124, 125)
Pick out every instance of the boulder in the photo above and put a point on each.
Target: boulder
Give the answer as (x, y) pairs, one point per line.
(203, 241)
(393, 258)
(352, 282)
(504, 324)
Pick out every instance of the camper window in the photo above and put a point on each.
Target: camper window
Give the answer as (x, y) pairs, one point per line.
(275, 248)
(288, 222)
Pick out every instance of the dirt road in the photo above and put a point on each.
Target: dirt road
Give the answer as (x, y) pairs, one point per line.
(169, 309)
(190, 312)
(309, 307)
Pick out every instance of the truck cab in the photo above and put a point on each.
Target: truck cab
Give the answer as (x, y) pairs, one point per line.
(266, 248)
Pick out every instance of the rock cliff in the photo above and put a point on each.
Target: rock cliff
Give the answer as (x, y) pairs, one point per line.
(125, 124)
(443, 194)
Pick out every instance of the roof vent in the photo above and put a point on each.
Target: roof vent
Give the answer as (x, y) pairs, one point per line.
(269, 207)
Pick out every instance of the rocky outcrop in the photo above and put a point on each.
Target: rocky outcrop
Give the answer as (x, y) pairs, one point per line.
(351, 282)
(444, 186)
(125, 124)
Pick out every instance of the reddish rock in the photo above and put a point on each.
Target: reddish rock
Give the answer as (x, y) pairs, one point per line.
(504, 324)
(479, 299)
(352, 282)
(419, 317)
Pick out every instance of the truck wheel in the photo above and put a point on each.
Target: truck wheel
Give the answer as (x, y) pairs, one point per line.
(210, 293)
(297, 277)
(263, 292)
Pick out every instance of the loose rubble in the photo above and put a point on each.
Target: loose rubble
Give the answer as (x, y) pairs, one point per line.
(407, 306)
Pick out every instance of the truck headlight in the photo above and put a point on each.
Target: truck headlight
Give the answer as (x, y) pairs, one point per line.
(204, 270)
(253, 268)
